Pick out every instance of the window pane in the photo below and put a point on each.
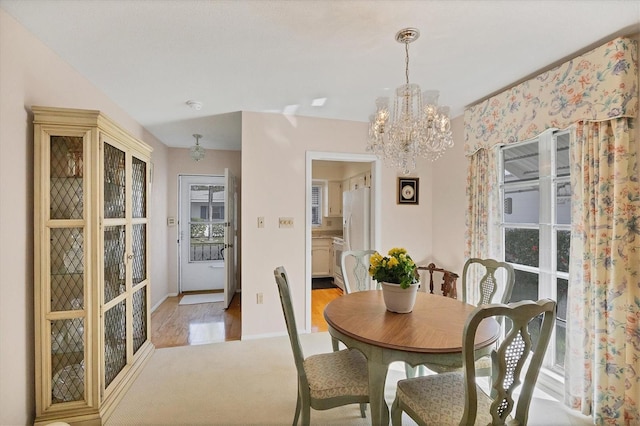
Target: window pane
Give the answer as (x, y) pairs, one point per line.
(562, 155)
(563, 203)
(563, 285)
(561, 332)
(522, 204)
(563, 244)
(521, 163)
(522, 246)
(316, 205)
(525, 287)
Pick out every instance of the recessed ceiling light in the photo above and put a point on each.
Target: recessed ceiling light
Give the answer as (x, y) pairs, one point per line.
(197, 105)
(318, 102)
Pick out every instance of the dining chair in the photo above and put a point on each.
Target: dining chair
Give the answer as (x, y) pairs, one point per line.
(325, 380)
(488, 287)
(455, 398)
(355, 263)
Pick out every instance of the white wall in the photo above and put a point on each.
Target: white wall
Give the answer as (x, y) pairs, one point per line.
(276, 188)
(450, 203)
(31, 74)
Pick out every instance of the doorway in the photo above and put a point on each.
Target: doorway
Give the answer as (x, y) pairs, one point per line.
(357, 162)
(207, 234)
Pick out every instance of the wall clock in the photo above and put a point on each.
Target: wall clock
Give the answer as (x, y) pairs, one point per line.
(407, 190)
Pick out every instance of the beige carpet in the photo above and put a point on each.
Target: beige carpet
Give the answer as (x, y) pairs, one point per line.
(251, 382)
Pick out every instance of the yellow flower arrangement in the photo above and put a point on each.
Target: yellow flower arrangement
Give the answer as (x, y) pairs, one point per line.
(397, 267)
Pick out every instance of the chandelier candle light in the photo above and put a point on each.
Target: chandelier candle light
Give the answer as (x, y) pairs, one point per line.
(197, 152)
(418, 126)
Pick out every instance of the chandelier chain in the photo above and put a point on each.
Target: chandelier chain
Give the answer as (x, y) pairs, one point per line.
(406, 61)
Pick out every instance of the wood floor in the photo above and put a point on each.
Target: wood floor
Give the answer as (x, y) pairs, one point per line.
(173, 324)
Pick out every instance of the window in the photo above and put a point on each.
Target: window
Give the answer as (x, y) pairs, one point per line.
(316, 204)
(536, 219)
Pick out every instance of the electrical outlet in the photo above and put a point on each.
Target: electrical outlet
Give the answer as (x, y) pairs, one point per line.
(259, 298)
(260, 221)
(286, 222)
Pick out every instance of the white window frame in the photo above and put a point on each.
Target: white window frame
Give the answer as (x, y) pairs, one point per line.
(547, 272)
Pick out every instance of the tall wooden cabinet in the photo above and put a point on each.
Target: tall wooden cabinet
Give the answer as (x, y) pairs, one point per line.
(92, 319)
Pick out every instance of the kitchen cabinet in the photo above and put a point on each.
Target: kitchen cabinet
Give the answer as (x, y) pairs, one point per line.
(321, 257)
(361, 180)
(334, 199)
(91, 271)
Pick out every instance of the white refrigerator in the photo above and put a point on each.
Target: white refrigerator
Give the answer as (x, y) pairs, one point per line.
(356, 214)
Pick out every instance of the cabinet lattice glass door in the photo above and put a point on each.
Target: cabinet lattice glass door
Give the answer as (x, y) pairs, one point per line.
(66, 313)
(125, 258)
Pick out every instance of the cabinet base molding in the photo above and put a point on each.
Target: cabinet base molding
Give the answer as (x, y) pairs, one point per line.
(110, 403)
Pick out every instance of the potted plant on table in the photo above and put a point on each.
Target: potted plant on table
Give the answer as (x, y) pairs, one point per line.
(398, 277)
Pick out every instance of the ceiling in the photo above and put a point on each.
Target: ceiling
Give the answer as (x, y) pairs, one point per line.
(151, 56)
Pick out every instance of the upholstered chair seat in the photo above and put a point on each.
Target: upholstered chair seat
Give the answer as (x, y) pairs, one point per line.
(439, 399)
(334, 374)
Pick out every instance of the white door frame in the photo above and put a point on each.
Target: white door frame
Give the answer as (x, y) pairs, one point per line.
(183, 178)
(376, 203)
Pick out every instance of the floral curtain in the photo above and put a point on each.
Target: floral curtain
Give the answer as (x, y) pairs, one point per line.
(599, 92)
(602, 376)
(598, 85)
(483, 200)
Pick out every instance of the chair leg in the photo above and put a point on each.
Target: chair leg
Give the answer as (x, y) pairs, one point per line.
(363, 410)
(335, 343)
(410, 371)
(298, 403)
(396, 413)
(306, 415)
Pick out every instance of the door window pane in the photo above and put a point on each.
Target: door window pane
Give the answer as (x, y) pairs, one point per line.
(525, 287)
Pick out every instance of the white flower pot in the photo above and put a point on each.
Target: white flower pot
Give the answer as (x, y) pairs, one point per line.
(398, 299)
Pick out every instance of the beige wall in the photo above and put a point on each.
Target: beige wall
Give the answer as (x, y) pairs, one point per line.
(31, 74)
(180, 162)
(277, 188)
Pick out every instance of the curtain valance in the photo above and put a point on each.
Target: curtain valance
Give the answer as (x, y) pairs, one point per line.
(598, 85)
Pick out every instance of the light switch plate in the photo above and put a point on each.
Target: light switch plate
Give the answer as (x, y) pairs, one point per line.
(286, 222)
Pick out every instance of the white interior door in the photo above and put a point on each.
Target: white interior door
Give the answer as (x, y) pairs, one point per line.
(202, 233)
(230, 236)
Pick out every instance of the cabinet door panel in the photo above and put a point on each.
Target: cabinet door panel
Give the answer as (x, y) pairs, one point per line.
(66, 254)
(114, 262)
(66, 168)
(67, 360)
(115, 343)
(138, 188)
(139, 318)
(114, 182)
(139, 249)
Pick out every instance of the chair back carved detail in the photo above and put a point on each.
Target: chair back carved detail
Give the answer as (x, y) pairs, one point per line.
(448, 285)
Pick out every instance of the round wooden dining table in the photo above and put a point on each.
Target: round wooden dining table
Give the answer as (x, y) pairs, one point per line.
(432, 333)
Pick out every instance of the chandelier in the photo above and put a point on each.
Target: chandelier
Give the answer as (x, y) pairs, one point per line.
(417, 128)
(197, 152)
